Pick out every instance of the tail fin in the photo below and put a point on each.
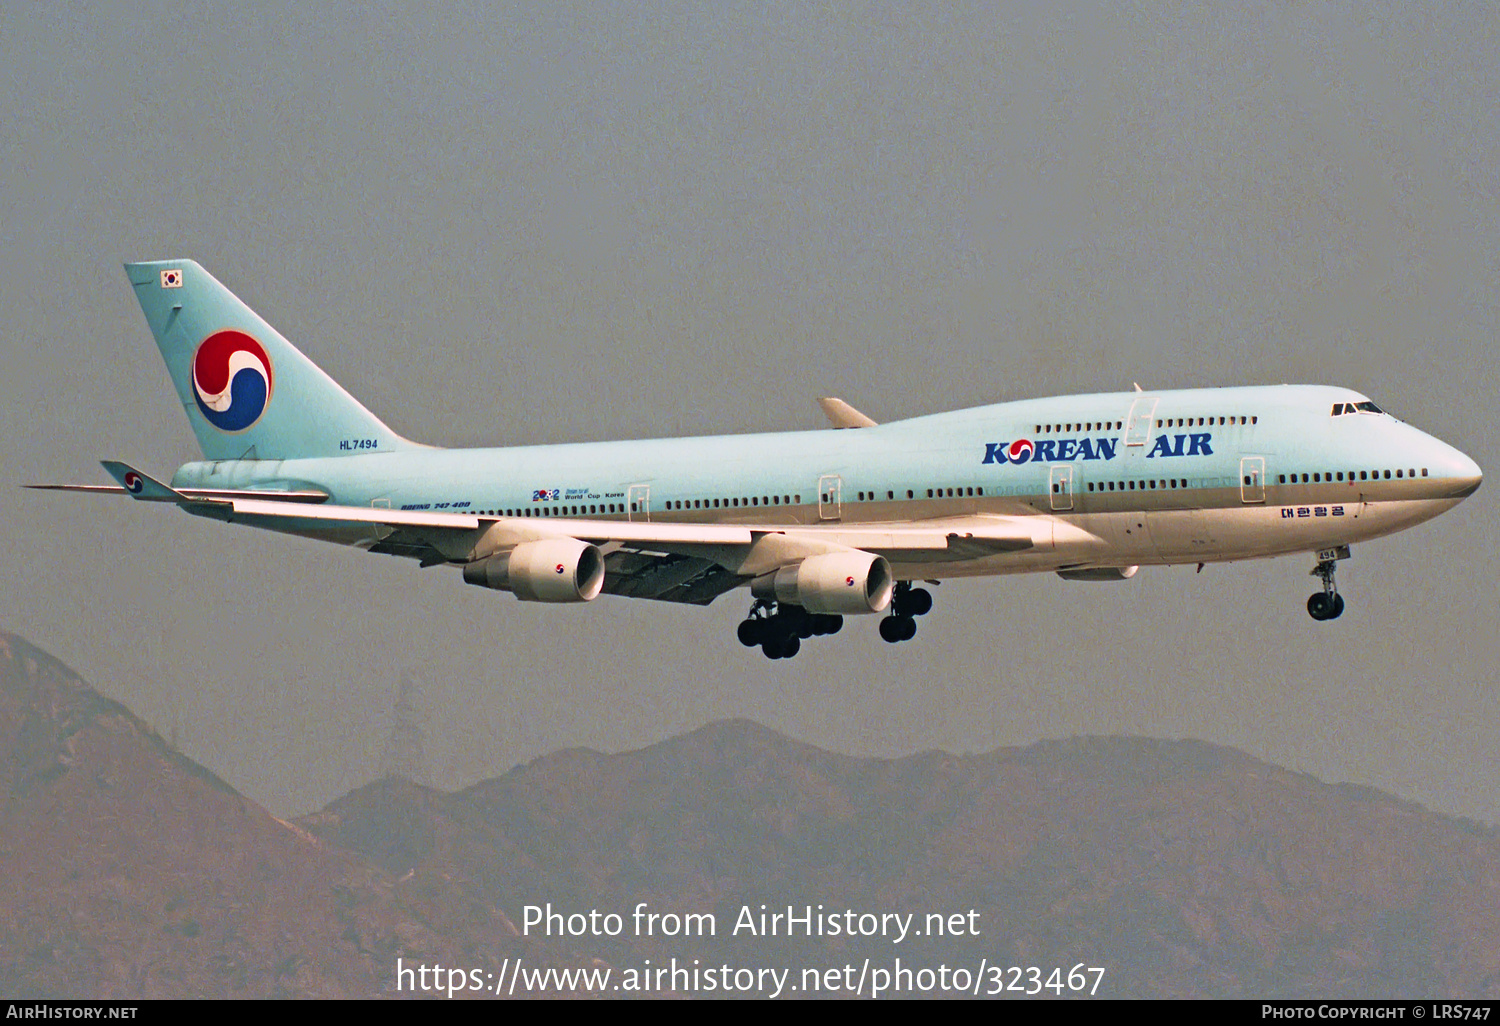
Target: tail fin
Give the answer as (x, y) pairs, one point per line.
(248, 392)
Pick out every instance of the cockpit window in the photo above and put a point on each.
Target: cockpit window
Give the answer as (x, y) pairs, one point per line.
(1369, 407)
(1338, 409)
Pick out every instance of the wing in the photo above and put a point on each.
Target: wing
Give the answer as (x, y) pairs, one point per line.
(691, 563)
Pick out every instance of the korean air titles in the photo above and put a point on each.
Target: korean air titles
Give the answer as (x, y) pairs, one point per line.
(1068, 450)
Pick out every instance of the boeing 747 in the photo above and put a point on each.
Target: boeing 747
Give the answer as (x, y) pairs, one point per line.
(818, 525)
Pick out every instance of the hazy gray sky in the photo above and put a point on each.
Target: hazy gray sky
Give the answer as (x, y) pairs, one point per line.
(585, 221)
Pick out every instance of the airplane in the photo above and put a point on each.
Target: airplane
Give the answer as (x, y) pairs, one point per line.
(818, 525)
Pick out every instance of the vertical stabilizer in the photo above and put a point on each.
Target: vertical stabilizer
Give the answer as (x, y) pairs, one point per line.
(248, 392)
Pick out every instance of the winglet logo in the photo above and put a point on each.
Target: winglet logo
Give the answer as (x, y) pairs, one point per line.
(172, 279)
(133, 483)
(231, 379)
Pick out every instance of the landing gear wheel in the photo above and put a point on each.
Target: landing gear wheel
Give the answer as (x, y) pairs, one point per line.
(750, 632)
(908, 601)
(1324, 607)
(898, 628)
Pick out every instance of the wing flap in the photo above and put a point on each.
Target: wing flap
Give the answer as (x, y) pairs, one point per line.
(667, 578)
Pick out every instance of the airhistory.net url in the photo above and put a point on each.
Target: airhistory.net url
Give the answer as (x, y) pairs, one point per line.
(679, 976)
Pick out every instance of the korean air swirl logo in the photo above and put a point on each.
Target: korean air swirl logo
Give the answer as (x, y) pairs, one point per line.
(231, 379)
(1020, 450)
(133, 483)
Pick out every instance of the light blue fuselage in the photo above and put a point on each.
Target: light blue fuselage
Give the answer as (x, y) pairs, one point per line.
(1172, 476)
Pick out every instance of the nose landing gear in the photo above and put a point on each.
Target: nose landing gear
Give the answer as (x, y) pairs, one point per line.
(1328, 603)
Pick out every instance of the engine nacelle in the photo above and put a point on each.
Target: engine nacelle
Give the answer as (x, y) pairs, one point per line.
(836, 582)
(1099, 573)
(551, 570)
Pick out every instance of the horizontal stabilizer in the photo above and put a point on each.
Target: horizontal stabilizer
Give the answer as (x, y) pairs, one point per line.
(148, 489)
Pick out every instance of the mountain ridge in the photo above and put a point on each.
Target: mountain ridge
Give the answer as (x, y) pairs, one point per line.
(1183, 868)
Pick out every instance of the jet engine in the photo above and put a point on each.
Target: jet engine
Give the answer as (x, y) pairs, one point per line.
(836, 582)
(1099, 573)
(551, 570)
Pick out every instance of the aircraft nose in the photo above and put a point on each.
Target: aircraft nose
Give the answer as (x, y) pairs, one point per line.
(1471, 482)
(1461, 474)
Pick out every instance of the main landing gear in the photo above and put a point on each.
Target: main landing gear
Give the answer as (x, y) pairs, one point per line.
(907, 604)
(1328, 603)
(779, 628)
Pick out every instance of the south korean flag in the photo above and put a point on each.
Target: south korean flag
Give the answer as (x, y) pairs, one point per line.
(172, 279)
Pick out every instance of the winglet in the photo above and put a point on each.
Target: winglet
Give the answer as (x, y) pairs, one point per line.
(142, 486)
(842, 415)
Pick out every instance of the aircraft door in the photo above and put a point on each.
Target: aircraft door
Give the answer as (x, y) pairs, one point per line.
(1253, 479)
(1138, 427)
(830, 497)
(1062, 486)
(638, 502)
